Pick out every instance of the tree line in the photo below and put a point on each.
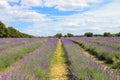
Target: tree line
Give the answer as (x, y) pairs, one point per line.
(89, 34)
(105, 34)
(6, 32)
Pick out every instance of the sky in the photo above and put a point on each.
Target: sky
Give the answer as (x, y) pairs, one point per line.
(48, 17)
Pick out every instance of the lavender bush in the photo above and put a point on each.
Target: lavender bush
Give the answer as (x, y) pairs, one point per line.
(82, 67)
(104, 52)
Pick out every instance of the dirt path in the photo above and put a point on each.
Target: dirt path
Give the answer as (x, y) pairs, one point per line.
(58, 69)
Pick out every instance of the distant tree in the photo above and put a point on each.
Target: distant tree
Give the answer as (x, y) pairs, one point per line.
(49, 36)
(65, 35)
(97, 35)
(26, 35)
(59, 35)
(113, 35)
(70, 35)
(12, 32)
(107, 34)
(88, 34)
(3, 30)
(118, 34)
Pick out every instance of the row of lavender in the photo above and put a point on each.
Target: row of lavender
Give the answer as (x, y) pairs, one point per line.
(14, 53)
(34, 66)
(6, 43)
(113, 42)
(102, 48)
(85, 68)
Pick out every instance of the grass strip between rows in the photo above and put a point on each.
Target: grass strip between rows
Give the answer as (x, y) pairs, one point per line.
(59, 69)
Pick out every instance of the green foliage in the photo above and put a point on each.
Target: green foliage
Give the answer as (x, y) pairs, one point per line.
(118, 34)
(40, 72)
(107, 34)
(4, 62)
(97, 35)
(3, 30)
(11, 32)
(70, 35)
(92, 74)
(88, 34)
(116, 59)
(58, 35)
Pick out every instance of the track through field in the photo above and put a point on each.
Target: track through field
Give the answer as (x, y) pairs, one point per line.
(59, 69)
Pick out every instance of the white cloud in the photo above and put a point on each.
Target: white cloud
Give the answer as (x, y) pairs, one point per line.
(66, 5)
(31, 3)
(16, 13)
(4, 4)
(29, 16)
(13, 1)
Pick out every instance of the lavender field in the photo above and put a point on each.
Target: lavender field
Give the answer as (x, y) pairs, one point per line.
(75, 58)
(59, 39)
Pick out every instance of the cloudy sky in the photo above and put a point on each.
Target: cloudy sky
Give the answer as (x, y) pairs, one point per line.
(48, 17)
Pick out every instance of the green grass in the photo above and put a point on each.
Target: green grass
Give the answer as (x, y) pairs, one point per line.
(89, 73)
